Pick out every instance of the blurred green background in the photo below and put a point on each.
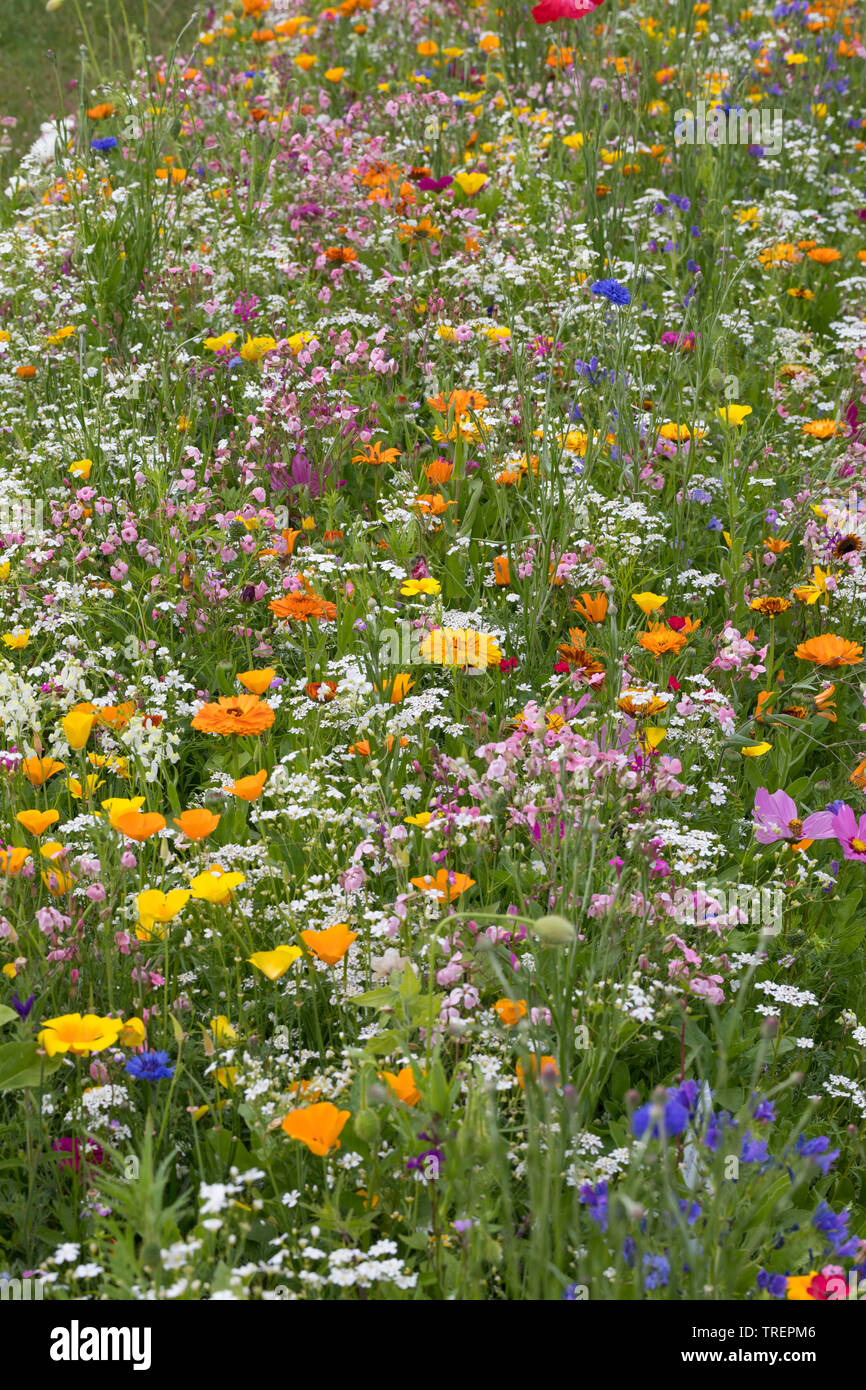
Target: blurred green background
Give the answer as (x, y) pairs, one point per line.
(34, 86)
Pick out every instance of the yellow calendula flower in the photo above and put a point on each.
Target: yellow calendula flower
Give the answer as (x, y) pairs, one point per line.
(254, 349)
(411, 587)
(756, 750)
(17, 639)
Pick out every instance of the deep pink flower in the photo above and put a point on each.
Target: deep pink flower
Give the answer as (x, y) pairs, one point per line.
(850, 833)
(548, 11)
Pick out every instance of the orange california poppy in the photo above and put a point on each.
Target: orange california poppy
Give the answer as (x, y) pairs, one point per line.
(548, 1069)
(197, 823)
(249, 788)
(37, 822)
(257, 682)
(402, 1085)
(510, 1011)
(12, 861)
(502, 571)
(139, 825)
(39, 770)
(446, 884)
(235, 714)
(330, 945)
(317, 1126)
(830, 650)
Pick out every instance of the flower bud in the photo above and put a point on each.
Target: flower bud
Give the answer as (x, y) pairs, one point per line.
(554, 931)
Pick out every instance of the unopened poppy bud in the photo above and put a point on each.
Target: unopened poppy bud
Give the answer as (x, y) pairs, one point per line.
(610, 129)
(716, 379)
(367, 1126)
(299, 125)
(554, 931)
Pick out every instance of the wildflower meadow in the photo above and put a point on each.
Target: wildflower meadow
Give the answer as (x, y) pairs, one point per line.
(432, 679)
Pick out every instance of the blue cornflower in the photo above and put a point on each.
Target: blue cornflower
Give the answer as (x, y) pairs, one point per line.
(776, 1285)
(658, 1271)
(595, 1199)
(150, 1066)
(714, 524)
(613, 291)
(104, 142)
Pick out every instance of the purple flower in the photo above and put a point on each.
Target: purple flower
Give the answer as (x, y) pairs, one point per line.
(819, 1150)
(776, 818)
(22, 1010)
(776, 1285)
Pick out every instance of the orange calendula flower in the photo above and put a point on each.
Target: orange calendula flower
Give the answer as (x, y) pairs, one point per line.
(447, 885)
(661, 641)
(769, 605)
(591, 607)
(777, 547)
(299, 608)
(821, 429)
(330, 945)
(575, 652)
(241, 714)
(249, 788)
(101, 112)
(39, 770)
(197, 823)
(510, 1011)
(830, 650)
(317, 1126)
(402, 1085)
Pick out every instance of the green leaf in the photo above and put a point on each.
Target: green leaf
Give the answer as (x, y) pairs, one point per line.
(21, 1065)
(6, 1014)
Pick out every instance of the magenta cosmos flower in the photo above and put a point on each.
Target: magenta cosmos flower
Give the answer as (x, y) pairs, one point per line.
(776, 818)
(850, 833)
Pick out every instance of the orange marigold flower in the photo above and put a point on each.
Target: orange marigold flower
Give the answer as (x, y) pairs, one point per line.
(439, 472)
(824, 255)
(830, 650)
(234, 714)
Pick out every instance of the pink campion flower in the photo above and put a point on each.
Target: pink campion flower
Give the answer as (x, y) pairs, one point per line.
(850, 833)
(776, 818)
(548, 11)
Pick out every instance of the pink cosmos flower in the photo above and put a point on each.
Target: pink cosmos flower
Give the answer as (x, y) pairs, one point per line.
(776, 818)
(850, 833)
